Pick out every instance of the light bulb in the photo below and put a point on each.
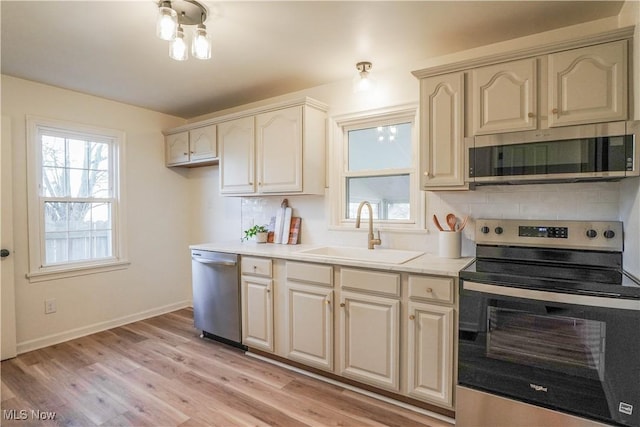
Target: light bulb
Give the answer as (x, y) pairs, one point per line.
(178, 48)
(201, 46)
(167, 25)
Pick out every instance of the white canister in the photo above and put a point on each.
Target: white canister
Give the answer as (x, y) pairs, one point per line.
(450, 244)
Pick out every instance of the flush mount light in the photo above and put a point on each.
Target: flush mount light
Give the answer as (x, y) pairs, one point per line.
(172, 17)
(363, 81)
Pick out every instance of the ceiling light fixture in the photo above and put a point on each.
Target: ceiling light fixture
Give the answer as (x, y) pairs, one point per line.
(172, 16)
(363, 81)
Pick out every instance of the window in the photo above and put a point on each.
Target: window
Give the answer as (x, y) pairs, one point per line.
(74, 197)
(378, 153)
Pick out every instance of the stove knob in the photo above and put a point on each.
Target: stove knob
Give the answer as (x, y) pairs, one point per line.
(609, 234)
(484, 230)
(498, 230)
(592, 233)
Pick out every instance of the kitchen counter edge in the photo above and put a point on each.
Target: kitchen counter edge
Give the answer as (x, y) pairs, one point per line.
(424, 264)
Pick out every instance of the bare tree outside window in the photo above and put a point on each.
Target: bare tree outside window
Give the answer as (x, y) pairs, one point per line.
(77, 197)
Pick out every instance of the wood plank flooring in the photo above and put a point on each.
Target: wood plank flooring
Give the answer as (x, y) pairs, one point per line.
(158, 372)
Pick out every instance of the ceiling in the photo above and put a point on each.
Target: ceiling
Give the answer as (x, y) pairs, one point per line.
(260, 49)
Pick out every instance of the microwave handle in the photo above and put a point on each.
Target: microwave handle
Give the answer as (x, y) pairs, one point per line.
(469, 163)
(546, 296)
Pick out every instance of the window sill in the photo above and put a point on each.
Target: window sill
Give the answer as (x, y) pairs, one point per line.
(387, 228)
(62, 272)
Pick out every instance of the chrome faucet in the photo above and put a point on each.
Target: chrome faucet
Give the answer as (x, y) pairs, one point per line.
(371, 240)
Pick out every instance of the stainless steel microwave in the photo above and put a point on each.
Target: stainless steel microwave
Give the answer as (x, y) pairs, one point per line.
(592, 152)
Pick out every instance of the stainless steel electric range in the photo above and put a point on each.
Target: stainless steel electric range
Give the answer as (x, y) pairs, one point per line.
(549, 330)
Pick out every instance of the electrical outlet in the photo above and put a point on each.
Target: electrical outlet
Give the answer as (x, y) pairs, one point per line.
(50, 306)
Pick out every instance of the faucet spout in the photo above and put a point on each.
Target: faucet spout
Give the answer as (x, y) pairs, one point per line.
(371, 240)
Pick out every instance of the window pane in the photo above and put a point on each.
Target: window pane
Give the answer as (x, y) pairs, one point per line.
(102, 244)
(99, 184)
(377, 148)
(53, 151)
(79, 216)
(55, 217)
(79, 245)
(388, 195)
(101, 216)
(78, 182)
(54, 183)
(99, 156)
(55, 248)
(77, 154)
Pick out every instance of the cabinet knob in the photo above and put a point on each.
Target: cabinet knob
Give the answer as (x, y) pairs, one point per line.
(327, 302)
(268, 290)
(429, 290)
(554, 111)
(412, 317)
(427, 175)
(531, 115)
(185, 154)
(192, 152)
(341, 304)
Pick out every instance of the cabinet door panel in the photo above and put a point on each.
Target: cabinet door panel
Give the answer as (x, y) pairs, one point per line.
(442, 130)
(177, 146)
(504, 97)
(257, 313)
(430, 352)
(369, 345)
(236, 140)
(279, 144)
(310, 325)
(588, 85)
(203, 143)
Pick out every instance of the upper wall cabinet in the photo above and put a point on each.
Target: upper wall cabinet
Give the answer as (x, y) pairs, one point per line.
(504, 97)
(280, 151)
(192, 147)
(588, 85)
(442, 131)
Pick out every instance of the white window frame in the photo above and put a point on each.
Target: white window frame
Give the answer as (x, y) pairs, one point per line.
(35, 202)
(338, 168)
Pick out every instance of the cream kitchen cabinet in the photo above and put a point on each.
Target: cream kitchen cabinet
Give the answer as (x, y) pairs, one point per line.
(257, 303)
(279, 151)
(588, 85)
(309, 314)
(442, 132)
(192, 147)
(430, 339)
(237, 153)
(369, 325)
(505, 97)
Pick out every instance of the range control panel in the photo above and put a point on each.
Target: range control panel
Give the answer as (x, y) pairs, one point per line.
(594, 235)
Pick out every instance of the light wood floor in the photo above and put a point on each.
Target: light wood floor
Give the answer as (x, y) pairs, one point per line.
(157, 372)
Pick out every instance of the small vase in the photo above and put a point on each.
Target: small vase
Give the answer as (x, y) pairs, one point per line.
(261, 237)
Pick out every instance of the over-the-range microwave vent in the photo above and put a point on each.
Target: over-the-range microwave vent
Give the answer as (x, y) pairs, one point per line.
(593, 152)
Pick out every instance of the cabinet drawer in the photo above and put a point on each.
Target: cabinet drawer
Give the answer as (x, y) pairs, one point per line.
(371, 281)
(310, 273)
(431, 288)
(256, 266)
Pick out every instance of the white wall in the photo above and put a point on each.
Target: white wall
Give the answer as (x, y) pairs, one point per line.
(596, 201)
(157, 201)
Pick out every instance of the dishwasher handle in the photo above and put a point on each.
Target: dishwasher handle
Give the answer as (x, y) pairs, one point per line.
(214, 262)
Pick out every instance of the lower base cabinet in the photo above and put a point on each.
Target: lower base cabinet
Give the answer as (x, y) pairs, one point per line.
(430, 352)
(369, 327)
(310, 325)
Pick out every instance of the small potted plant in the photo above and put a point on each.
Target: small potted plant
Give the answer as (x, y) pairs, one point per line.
(259, 231)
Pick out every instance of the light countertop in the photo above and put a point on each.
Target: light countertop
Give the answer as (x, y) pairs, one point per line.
(424, 264)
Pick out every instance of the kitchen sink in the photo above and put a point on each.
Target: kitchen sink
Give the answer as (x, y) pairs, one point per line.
(388, 256)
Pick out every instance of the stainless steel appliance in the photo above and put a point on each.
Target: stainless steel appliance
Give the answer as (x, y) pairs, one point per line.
(571, 153)
(549, 329)
(216, 296)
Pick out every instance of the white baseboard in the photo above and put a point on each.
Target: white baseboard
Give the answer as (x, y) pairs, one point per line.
(57, 338)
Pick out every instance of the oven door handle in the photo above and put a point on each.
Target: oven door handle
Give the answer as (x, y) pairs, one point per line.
(561, 297)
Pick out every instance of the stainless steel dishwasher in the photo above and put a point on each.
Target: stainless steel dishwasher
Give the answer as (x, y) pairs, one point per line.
(216, 296)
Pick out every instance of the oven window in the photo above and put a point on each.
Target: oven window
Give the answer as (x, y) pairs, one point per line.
(547, 341)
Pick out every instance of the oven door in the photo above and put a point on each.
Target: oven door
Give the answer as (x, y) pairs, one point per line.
(573, 353)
